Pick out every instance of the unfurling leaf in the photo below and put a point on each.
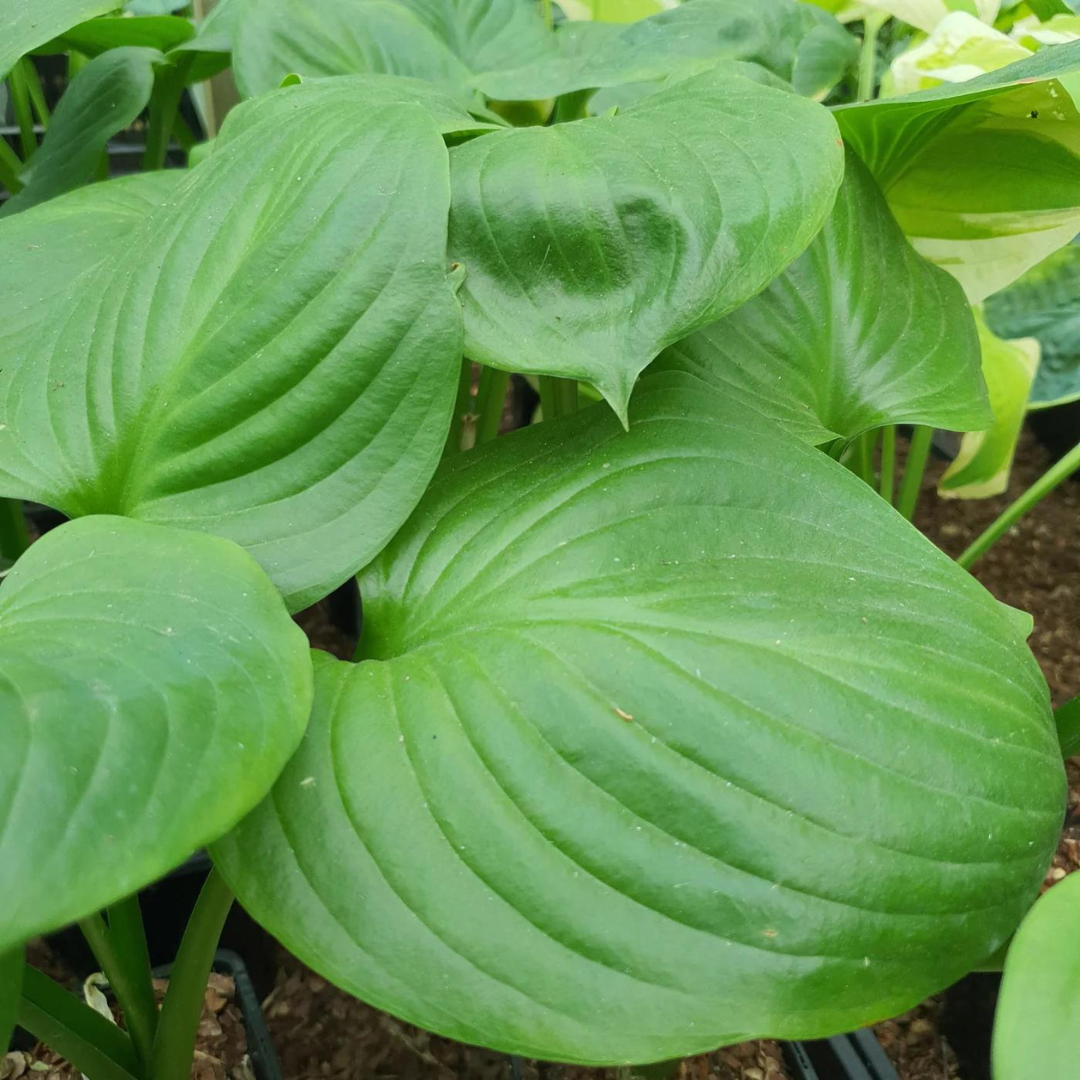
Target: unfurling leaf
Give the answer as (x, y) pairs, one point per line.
(633, 706)
(152, 686)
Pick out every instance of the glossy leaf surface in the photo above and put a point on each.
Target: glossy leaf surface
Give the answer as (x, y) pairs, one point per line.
(49, 247)
(981, 468)
(152, 686)
(353, 92)
(1039, 1006)
(858, 332)
(271, 357)
(983, 176)
(441, 41)
(103, 99)
(634, 706)
(795, 41)
(590, 246)
(1045, 304)
(30, 23)
(11, 969)
(1068, 725)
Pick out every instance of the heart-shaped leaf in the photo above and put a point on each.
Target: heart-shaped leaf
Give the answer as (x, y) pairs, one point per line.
(104, 98)
(772, 33)
(11, 970)
(590, 246)
(28, 24)
(1045, 304)
(441, 41)
(666, 739)
(51, 246)
(982, 466)
(858, 332)
(272, 356)
(1039, 1004)
(152, 686)
(983, 176)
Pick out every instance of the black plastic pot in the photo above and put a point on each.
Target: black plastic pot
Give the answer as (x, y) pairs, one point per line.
(857, 1056)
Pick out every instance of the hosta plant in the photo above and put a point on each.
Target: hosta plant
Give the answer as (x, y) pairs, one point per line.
(664, 730)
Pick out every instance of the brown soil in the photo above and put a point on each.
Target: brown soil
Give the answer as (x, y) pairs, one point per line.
(220, 1048)
(1034, 567)
(322, 1032)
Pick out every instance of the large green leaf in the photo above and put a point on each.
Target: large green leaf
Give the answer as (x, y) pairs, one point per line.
(981, 468)
(1045, 304)
(30, 23)
(272, 356)
(486, 34)
(588, 247)
(104, 98)
(442, 41)
(983, 176)
(162, 32)
(1039, 1006)
(796, 41)
(275, 38)
(665, 739)
(11, 971)
(152, 686)
(353, 92)
(49, 247)
(859, 332)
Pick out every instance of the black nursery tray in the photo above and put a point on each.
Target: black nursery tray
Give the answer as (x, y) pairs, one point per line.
(857, 1056)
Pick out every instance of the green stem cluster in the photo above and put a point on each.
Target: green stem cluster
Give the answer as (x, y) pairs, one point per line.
(558, 397)
(14, 536)
(150, 1046)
